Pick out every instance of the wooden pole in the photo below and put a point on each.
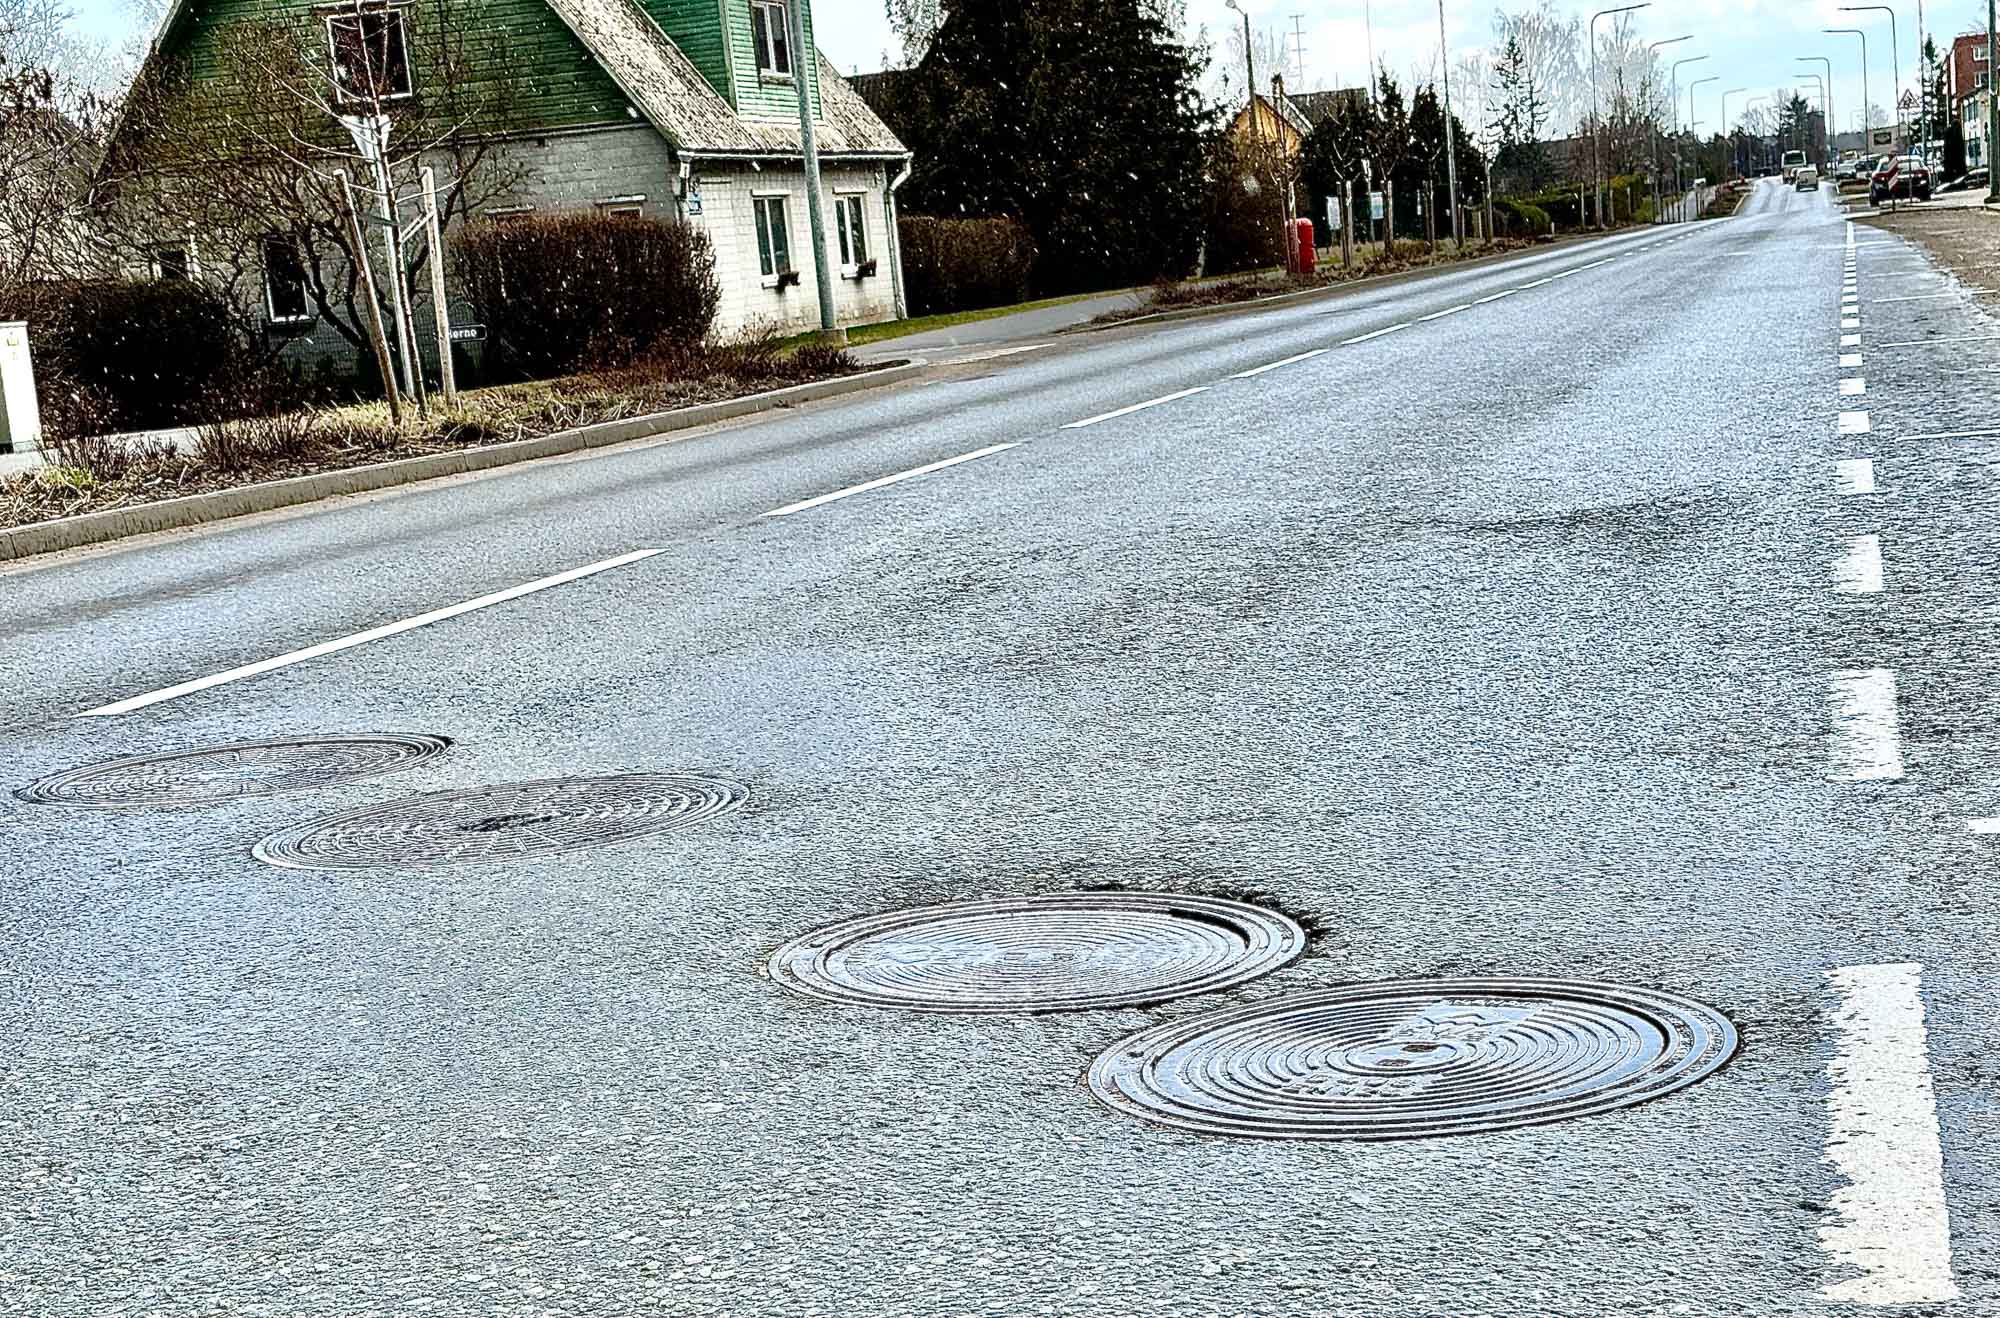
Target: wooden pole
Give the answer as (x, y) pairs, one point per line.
(434, 234)
(377, 336)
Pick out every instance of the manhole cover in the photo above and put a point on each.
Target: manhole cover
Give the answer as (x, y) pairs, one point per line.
(1062, 952)
(209, 774)
(1413, 1058)
(508, 822)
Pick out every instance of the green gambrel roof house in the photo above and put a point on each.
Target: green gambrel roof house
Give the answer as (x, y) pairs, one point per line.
(679, 109)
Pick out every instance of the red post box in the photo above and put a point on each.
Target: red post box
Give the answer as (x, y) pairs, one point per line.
(1304, 256)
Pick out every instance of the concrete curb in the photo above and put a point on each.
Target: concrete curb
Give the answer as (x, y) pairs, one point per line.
(1347, 286)
(218, 505)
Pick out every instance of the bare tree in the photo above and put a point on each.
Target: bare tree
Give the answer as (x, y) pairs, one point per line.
(1551, 47)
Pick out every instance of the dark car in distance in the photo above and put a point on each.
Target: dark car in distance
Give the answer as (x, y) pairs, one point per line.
(1912, 179)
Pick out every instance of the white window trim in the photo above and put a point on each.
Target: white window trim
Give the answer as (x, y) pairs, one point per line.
(841, 197)
(770, 72)
(507, 212)
(305, 317)
(187, 249)
(398, 7)
(771, 280)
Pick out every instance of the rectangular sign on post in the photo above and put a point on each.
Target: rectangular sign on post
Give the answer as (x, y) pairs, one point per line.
(1375, 206)
(1880, 136)
(467, 333)
(1333, 215)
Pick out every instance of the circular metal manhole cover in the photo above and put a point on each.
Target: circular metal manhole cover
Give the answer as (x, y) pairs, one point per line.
(1406, 1059)
(209, 774)
(507, 822)
(1061, 952)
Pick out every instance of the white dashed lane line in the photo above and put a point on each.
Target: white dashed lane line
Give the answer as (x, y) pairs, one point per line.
(1448, 311)
(1853, 385)
(1854, 423)
(1859, 572)
(1136, 407)
(1283, 361)
(1867, 745)
(1363, 338)
(1848, 360)
(878, 483)
(1856, 475)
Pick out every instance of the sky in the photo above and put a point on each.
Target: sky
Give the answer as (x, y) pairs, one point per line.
(1750, 43)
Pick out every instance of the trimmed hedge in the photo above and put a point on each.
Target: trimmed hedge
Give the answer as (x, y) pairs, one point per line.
(564, 291)
(126, 354)
(962, 265)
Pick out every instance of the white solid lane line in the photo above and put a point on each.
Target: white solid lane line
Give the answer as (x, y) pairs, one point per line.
(363, 638)
(1867, 744)
(1954, 338)
(1853, 385)
(1136, 407)
(1954, 434)
(879, 482)
(1854, 423)
(1890, 1221)
(1448, 311)
(1856, 475)
(1495, 297)
(1931, 297)
(1859, 572)
(1850, 359)
(1363, 338)
(1283, 361)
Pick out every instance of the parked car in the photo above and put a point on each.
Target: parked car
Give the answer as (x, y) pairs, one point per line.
(1912, 179)
(1971, 180)
(1861, 167)
(1805, 178)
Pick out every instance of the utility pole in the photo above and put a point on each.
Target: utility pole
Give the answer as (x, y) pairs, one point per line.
(805, 62)
(1832, 122)
(1299, 49)
(1992, 114)
(1895, 68)
(1653, 115)
(1596, 165)
(1867, 136)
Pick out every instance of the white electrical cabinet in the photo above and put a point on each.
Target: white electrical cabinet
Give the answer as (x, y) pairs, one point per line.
(20, 411)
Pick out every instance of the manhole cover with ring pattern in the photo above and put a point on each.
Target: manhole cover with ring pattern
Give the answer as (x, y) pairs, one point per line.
(511, 821)
(1407, 1059)
(209, 774)
(1061, 952)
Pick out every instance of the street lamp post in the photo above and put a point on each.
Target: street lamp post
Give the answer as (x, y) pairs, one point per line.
(1762, 159)
(1821, 85)
(1832, 123)
(1866, 140)
(1895, 67)
(1727, 136)
(1596, 129)
(1650, 48)
(1256, 145)
(1992, 115)
(1450, 137)
(1674, 84)
(1694, 123)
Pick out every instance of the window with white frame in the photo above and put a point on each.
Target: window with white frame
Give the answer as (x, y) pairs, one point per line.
(1979, 81)
(285, 297)
(1979, 54)
(847, 210)
(635, 206)
(170, 261)
(770, 30)
(369, 49)
(774, 237)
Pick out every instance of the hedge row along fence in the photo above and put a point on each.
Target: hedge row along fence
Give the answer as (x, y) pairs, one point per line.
(564, 292)
(963, 265)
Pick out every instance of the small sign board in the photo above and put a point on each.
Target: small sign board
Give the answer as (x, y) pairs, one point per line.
(1909, 101)
(468, 333)
(694, 197)
(1881, 136)
(1375, 206)
(1333, 215)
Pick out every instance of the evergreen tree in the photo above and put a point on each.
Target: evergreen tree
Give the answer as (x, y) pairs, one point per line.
(1081, 118)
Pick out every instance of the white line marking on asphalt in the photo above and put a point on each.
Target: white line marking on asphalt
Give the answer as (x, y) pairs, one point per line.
(1495, 297)
(1850, 230)
(1283, 361)
(1859, 572)
(1890, 1219)
(1853, 385)
(1363, 338)
(1930, 297)
(362, 638)
(994, 353)
(1448, 311)
(1983, 825)
(879, 482)
(1851, 323)
(1954, 434)
(1956, 338)
(1857, 475)
(1849, 359)
(1136, 407)
(1850, 340)
(1866, 744)
(1854, 423)
(1537, 284)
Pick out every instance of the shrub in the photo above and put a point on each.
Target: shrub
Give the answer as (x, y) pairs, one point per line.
(961, 265)
(562, 291)
(126, 354)
(1520, 219)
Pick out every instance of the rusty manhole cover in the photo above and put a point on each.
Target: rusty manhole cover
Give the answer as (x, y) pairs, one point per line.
(1061, 952)
(511, 821)
(210, 774)
(1406, 1059)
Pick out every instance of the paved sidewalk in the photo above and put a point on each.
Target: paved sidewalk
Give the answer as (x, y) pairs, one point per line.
(1021, 325)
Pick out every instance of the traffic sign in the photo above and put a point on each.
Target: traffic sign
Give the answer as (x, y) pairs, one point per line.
(467, 333)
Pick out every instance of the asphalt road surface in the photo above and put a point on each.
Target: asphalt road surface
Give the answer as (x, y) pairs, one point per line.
(1564, 618)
